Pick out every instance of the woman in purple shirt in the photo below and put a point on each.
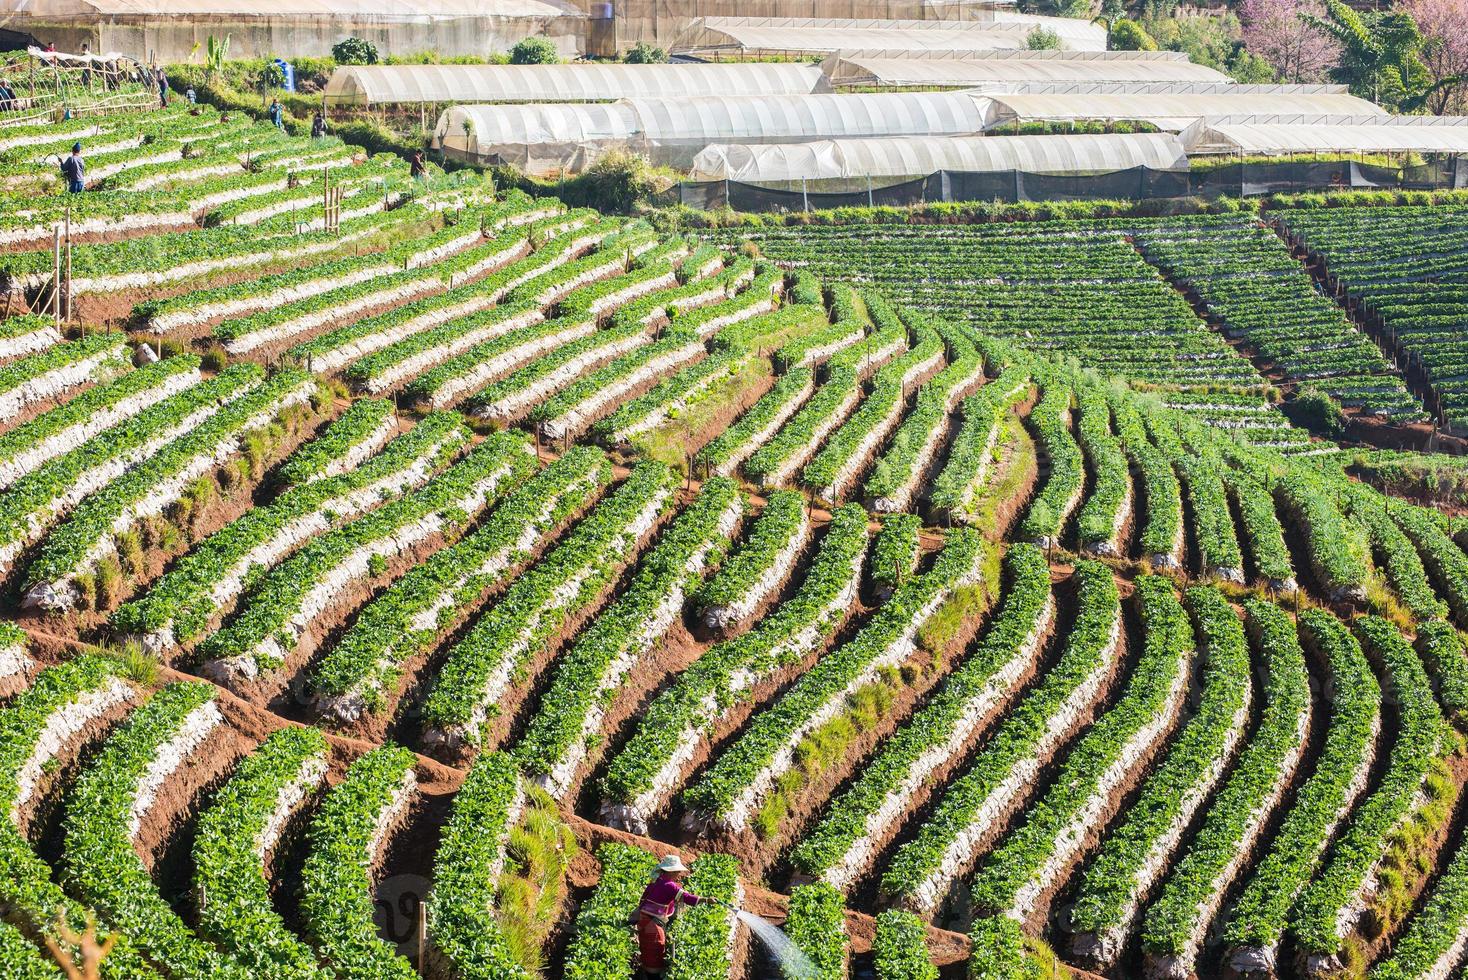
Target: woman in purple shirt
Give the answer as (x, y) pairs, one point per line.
(660, 901)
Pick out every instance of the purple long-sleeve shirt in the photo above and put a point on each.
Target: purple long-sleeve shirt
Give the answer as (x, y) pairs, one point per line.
(660, 897)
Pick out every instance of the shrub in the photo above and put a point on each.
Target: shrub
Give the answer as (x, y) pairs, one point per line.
(1315, 410)
(1043, 39)
(535, 51)
(643, 53)
(1128, 35)
(354, 51)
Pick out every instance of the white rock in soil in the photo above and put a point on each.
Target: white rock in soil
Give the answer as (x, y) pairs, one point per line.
(56, 381)
(1001, 683)
(44, 450)
(500, 678)
(559, 780)
(455, 389)
(196, 727)
(764, 435)
(57, 733)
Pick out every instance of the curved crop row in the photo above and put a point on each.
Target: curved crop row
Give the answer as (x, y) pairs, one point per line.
(1331, 903)
(669, 398)
(146, 490)
(1262, 531)
(180, 606)
(972, 454)
(849, 449)
(573, 409)
(758, 566)
(900, 948)
(923, 870)
(816, 924)
(1335, 551)
(730, 448)
(352, 437)
(1061, 491)
(602, 947)
(1398, 559)
(588, 674)
(1135, 855)
(1100, 520)
(102, 818)
(895, 553)
(1444, 559)
(1261, 913)
(283, 603)
(702, 936)
(28, 447)
(799, 438)
(1177, 923)
(1214, 534)
(466, 870)
(1442, 651)
(483, 665)
(1159, 535)
(353, 678)
(49, 373)
(532, 384)
(732, 788)
(59, 708)
(243, 825)
(844, 843)
(644, 775)
(346, 840)
(1435, 939)
(1033, 856)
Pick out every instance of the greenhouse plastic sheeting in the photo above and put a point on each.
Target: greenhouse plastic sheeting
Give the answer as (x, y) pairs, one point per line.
(969, 72)
(389, 84)
(817, 35)
(916, 156)
(1389, 137)
(1135, 184)
(671, 132)
(1177, 112)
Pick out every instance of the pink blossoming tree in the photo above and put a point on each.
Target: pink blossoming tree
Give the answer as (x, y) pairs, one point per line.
(1274, 31)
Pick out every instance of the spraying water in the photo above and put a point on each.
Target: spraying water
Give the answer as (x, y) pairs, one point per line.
(793, 963)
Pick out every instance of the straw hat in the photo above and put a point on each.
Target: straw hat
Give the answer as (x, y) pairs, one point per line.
(672, 863)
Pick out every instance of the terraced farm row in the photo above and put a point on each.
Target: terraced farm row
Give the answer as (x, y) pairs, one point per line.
(469, 556)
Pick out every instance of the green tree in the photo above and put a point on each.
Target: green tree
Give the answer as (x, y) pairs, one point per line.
(643, 53)
(534, 51)
(216, 53)
(1128, 35)
(1379, 54)
(354, 51)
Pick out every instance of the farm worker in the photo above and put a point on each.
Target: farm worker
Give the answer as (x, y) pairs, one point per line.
(7, 96)
(162, 89)
(318, 126)
(416, 166)
(660, 901)
(74, 169)
(277, 111)
(191, 95)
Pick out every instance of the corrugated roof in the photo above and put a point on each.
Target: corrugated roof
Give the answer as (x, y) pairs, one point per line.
(816, 35)
(968, 72)
(1269, 138)
(1290, 104)
(565, 83)
(911, 157)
